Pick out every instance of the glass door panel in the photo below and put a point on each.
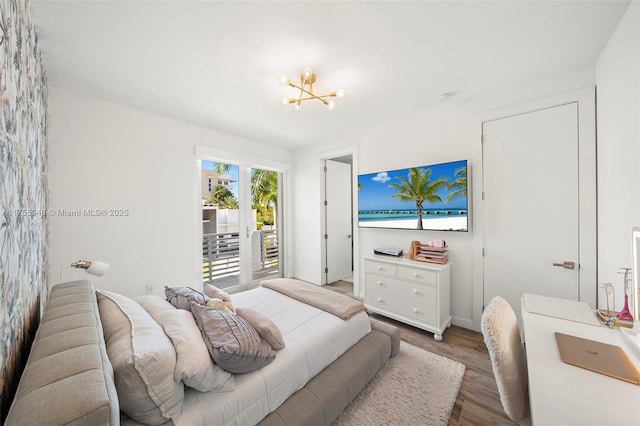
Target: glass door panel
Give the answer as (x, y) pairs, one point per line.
(221, 213)
(265, 233)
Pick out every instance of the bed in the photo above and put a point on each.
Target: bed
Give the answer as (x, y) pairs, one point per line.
(324, 364)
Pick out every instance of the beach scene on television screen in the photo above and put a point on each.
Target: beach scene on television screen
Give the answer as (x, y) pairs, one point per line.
(432, 197)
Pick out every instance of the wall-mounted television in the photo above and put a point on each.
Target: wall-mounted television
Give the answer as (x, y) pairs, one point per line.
(430, 197)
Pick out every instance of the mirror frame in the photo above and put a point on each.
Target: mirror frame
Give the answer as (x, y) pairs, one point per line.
(631, 335)
(635, 243)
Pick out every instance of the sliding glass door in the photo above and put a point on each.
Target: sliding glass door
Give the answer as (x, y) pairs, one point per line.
(241, 239)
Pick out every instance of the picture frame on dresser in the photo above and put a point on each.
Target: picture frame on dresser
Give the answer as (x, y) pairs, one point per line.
(415, 293)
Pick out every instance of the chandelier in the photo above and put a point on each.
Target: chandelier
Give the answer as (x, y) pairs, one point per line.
(307, 78)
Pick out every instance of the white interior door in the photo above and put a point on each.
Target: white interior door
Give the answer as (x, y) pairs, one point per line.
(339, 222)
(530, 208)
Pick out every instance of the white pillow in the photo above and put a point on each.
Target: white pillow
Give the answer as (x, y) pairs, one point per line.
(194, 365)
(143, 360)
(155, 305)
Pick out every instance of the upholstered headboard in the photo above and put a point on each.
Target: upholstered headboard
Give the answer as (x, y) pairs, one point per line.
(68, 378)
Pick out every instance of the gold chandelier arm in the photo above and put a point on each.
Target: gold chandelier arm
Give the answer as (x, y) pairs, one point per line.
(303, 90)
(293, 100)
(312, 96)
(308, 92)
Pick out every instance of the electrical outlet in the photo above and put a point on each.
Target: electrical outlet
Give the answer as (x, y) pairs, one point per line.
(149, 289)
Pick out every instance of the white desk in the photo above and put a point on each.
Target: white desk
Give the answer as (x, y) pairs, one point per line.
(562, 394)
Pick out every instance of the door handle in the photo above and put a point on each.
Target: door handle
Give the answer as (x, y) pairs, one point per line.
(566, 265)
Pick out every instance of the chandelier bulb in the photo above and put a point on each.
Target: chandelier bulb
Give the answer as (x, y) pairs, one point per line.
(284, 79)
(307, 73)
(331, 105)
(340, 93)
(298, 105)
(285, 101)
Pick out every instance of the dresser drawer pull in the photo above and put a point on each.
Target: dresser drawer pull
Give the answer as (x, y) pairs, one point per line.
(379, 299)
(415, 291)
(380, 268)
(380, 283)
(415, 310)
(416, 275)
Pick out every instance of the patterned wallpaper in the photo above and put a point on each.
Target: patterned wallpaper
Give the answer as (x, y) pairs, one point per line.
(23, 191)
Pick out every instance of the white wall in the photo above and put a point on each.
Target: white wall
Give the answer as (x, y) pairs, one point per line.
(449, 134)
(442, 136)
(618, 92)
(445, 134)
(106, 156)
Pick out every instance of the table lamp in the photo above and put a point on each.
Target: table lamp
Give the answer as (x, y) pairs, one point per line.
(94, 267)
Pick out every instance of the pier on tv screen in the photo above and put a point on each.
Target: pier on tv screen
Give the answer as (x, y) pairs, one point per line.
(432, 197)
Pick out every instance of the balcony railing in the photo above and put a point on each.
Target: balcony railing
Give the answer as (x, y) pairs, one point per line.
(221, 254)
(269, 248)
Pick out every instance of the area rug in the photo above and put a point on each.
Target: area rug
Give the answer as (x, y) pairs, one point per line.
(416, 387)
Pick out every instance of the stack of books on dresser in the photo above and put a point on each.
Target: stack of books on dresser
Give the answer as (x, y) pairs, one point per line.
(425, 252)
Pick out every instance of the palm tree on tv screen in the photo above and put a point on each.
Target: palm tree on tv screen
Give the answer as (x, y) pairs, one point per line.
(459, 185)
(418, 188)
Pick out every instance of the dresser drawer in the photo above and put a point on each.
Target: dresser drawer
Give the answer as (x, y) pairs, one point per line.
(422, 294)
(380, 268)
(419, 275)
(410, 308)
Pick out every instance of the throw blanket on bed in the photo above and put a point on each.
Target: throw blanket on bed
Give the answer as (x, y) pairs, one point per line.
(335, 303)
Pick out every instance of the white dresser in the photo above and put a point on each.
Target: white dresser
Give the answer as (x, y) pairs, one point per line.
(416, 293)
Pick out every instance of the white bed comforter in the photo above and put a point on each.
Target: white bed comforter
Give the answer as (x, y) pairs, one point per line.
(314, 339)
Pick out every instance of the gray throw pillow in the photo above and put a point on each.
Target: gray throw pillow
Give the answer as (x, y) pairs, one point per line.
(183, 297)
(232, 342)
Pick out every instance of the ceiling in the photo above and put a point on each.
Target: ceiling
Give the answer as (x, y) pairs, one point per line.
(217, 64)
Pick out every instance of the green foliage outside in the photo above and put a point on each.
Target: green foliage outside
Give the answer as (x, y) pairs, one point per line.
(223, 198)
(264, 194)
(264, 215)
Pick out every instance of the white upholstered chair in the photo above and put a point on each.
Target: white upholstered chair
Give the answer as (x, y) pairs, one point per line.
(502, 337)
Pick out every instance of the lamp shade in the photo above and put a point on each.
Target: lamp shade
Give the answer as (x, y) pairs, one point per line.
(95, 267)
(98, 268)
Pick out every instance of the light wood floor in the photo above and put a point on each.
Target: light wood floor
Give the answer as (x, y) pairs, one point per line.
(478, 402)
